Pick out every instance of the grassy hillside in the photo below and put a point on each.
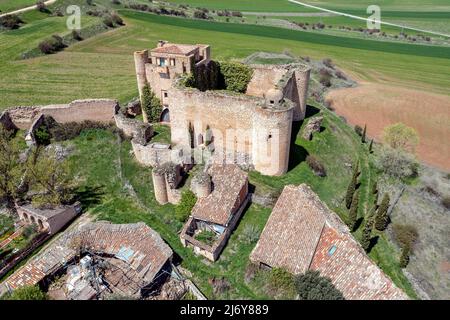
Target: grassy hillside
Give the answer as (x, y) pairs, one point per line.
(103, 66)
(10, 5)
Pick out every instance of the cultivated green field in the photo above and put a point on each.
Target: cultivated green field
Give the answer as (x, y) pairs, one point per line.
(10, 5)
(103, 66)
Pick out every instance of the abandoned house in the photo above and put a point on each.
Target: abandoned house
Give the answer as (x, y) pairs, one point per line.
(303, 234)
(97, 259)
(252, 128)
(222, 197)
(48, 220)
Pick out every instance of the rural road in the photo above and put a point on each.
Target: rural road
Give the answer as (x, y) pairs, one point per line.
(49, 2)
(366, 19)
(289, 14)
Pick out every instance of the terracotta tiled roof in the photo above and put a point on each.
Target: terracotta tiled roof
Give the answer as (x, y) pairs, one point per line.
(138, 245)
(171, 48)
(219, 206)
(302, 233)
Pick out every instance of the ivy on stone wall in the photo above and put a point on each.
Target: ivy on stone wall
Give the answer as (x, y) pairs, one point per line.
(232, 76)
(235, 76)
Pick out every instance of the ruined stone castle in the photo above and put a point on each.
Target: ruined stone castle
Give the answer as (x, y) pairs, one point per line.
(252, 128)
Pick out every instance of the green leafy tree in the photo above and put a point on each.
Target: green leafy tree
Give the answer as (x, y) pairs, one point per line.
(353, 213)
(400, 136)
(27, 293)
(312, 286)
(234, 76)
(49, 178)
(382, 218)
(11, 169)
(184, 208)
(352, 186)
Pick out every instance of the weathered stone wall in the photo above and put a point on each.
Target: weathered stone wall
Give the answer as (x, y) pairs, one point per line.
(151, 154)
(6, 122)
(239, 123)
(264, 78)
(102, 110)
(30, 137)
(139, 131)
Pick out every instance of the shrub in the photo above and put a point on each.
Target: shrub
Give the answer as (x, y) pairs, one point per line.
(397, 163)
(280, 278)
(315, 165)
(405, 234)
(108, 21)
(340, 75)
(117, 19)
(52, 45)
(27, 293)
(235, 76)
(11, 22)
(250, 234)
(42, 135)
(76, 35)
(115, 2)
(312, 286)
(358, 130)
(236, 14)
(400, 136)
(71, 130)
(184, 208)
(446, 202)
(199, 14)
(40, 6)
(367, 230)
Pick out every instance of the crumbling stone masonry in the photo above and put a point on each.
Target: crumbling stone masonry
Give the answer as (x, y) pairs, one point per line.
(166, 178)
(255, 126)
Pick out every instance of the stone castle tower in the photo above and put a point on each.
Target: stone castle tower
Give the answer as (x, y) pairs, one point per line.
(253, 128)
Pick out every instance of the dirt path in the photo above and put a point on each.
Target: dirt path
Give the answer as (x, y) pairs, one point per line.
(366, 19)
(380, 105)
(47, 3)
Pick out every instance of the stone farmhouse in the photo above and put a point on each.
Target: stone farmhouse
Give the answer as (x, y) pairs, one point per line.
(252, 128)
(303, 234)
(216, 211)
(137, 258)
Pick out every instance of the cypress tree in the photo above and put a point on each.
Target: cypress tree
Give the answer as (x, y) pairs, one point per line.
(404, 258)
(375, 187)
(367, 231)
(352, 186)
(353, 213)
(363, 137)
(382, 218)
(146, 102)
(371, 145)
(155, 108)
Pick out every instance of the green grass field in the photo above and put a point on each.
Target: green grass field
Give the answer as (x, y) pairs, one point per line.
(10, 5)
(102, 66)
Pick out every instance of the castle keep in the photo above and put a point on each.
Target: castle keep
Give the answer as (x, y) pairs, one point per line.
(251, 128)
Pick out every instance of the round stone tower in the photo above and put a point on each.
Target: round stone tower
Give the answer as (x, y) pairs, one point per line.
(159, 185)
(274, 97)
(140, 59)
(302, 76)
(271, 133)
(201, 185)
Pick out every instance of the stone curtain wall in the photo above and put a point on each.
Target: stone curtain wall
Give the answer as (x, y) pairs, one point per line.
(239, 123)
(102, 110)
